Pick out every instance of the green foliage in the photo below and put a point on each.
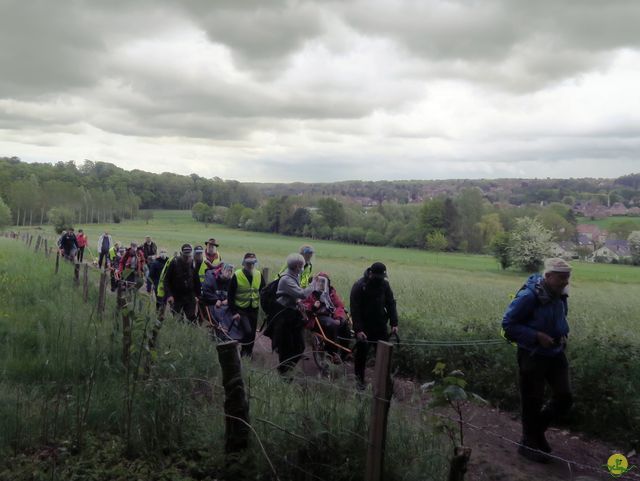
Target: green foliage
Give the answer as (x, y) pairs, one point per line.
(500, 246)
(61, 218)
(634, 246)
(449, 390)
(621, 229)
(201, 212)
(67, 397)
(332, 211)
(530, 244)
(5, 214)
(436, 241)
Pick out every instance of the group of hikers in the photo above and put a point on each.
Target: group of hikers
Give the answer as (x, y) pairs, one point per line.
(197, 284)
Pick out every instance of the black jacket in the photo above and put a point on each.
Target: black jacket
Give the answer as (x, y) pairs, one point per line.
(214, 288)
(180, 279)
(149, 250)
(155, 269)
(372, 306)
(68, 242)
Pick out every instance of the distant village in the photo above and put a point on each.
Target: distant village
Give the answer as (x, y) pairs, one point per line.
(593, 243)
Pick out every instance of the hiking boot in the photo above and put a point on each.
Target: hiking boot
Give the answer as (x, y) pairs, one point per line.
(543, 443)
(532, 452)
(361, 385)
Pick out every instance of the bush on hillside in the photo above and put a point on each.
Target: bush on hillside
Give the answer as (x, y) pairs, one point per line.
(61, 218)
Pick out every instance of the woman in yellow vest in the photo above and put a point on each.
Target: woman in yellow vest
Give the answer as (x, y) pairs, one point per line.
(244, 300)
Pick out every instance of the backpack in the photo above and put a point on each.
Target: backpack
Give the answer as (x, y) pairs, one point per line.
(268, 298)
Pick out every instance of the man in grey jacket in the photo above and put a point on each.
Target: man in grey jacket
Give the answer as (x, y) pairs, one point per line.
(288, 332)
(104, 244)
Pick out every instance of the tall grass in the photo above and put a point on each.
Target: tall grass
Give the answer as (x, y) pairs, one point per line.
(70, 408)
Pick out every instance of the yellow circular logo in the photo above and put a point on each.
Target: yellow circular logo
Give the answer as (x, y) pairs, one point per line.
(617, 465)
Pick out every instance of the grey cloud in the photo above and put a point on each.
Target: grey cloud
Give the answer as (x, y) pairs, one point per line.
(45, 49)
(521, 45)
(261, 35)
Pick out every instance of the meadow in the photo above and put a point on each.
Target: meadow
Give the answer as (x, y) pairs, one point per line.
(70, 408)
(444, 297)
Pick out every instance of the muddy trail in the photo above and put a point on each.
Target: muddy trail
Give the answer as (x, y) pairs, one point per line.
(492, 434)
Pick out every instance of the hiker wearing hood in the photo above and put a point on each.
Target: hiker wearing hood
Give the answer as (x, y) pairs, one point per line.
(536, 320)
(325, 304)
(372, 307)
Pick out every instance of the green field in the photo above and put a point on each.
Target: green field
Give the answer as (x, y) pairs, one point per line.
(606, 223)
(71, 408)
(455, 296)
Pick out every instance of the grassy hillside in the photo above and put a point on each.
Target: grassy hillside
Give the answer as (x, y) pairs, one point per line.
(71, 409)
(453, 296)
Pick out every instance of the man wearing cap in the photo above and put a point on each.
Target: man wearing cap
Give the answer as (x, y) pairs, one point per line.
(372, 307)
(213, 256)
(179, 284)
(243, 298)
(536, 320)
(306, 251)
(200, 267)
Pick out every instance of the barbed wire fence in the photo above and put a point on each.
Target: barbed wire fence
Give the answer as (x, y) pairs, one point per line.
(375, 442)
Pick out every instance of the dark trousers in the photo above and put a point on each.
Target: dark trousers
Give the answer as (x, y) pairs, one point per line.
(248, 324)
(288, 339)
(103, 257)
(535, 372)
(185, 305)
(80, 254)
(362, 350)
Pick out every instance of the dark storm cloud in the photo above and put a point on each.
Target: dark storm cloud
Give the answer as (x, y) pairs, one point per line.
(353, 85)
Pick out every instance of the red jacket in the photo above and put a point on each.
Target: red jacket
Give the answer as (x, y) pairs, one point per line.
(125, 260)
(81, 239)
(338, 312)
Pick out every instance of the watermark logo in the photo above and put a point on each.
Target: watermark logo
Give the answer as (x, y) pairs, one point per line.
(618, 465)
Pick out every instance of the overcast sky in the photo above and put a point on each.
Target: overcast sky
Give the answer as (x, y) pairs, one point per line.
(261, 90)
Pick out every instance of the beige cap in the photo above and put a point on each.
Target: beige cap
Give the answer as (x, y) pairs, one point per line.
(556, 265)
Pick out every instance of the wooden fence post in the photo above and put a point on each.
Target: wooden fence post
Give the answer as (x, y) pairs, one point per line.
(46, 247)
(30, 239)
(102, 293)
(57, 261)
(126, 323)
(152, 342)
(382, 390)
(265, 274)
(76, 274)
(85, 283)
(38, 244)
(236, 404)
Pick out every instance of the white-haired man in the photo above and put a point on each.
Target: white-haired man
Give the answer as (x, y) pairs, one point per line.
(288, 332)
(536, 320)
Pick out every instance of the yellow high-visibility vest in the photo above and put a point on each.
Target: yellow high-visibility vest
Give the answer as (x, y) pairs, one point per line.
(248, 295)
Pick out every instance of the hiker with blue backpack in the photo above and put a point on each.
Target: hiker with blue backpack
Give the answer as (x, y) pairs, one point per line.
(536, 320)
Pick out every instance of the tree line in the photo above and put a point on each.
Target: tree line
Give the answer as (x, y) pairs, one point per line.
(37, 193)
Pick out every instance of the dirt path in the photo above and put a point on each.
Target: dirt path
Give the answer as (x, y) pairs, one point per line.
(494, 458)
